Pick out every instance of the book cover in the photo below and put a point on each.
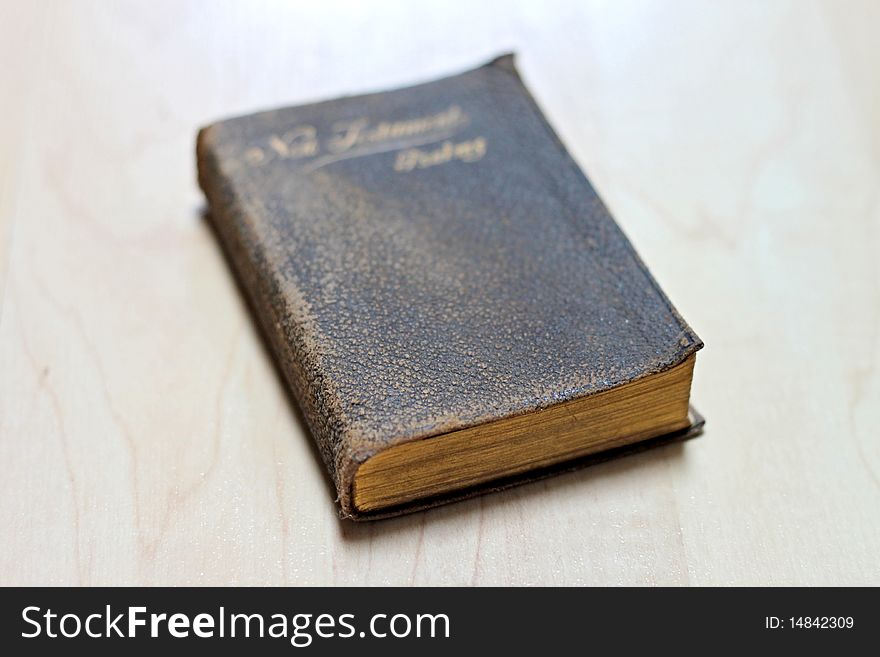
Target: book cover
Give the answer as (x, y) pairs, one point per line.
(428, 260)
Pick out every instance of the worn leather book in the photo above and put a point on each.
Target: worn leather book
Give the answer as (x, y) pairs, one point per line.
(450, 301)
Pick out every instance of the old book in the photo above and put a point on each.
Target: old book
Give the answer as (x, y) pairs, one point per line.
(449, 299)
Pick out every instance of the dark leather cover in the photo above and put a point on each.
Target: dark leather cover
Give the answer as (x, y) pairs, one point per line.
(428, 259)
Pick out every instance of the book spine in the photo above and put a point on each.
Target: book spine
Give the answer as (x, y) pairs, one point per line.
(287, 331)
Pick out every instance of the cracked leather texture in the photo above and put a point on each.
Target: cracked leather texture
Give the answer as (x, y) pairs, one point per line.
(406, 303)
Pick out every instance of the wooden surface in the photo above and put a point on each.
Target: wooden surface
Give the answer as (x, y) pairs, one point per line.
(145, 437)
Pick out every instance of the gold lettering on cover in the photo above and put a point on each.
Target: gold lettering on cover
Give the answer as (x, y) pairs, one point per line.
(359, 137)
(347, 134)
(359, 132)
(254, 155)
(418, 158)
(301, 141)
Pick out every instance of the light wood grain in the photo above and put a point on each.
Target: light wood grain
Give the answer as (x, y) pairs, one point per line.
(145, 437)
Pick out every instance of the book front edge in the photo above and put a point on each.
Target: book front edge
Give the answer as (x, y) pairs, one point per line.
(694, 429)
